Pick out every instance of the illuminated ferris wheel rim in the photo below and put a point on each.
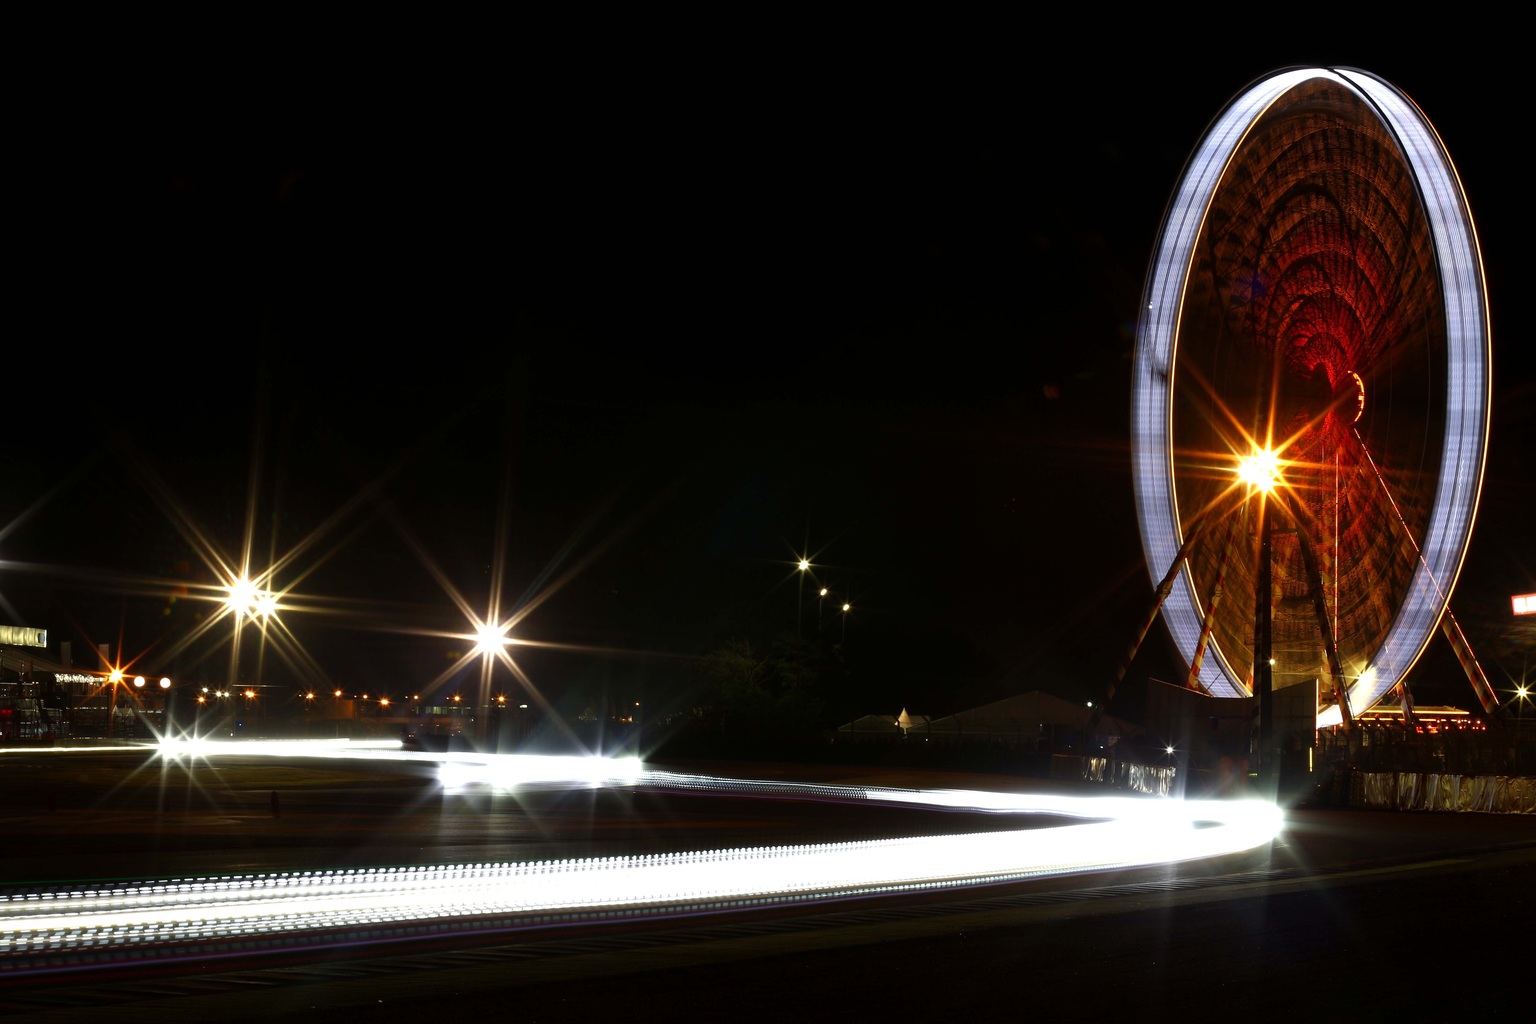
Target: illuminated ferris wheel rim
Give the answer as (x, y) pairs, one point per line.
(1467, 389)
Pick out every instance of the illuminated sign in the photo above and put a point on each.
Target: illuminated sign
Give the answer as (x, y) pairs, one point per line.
(1525, 604)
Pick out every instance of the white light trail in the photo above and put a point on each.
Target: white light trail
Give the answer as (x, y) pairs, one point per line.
(1121, 832)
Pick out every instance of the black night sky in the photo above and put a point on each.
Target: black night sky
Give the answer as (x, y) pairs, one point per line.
(636, 346)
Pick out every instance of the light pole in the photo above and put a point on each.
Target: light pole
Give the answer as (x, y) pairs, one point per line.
(843, 642)
(116, 679)
(800, 596)
(821, 602)
(492, 641)
(1261, 471)
(165, 704)
(1522, 694)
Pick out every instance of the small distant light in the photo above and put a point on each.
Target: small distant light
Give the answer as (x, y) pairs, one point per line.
(165, 683)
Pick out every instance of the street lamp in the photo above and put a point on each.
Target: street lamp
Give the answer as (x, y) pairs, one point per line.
(246, 599)
(844, 640)
(820, 605)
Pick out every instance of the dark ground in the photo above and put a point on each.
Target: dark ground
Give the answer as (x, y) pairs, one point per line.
(1367, 915)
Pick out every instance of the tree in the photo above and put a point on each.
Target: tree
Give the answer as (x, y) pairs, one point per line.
(762, 703)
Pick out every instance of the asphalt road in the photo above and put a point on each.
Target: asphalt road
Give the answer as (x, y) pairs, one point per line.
(1363, 914)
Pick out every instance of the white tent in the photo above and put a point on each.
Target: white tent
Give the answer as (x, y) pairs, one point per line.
(885, 725)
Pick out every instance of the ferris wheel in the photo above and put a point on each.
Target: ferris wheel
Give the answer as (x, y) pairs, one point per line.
(1311, 392)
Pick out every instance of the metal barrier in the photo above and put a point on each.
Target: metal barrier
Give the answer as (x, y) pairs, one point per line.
(1428, 791)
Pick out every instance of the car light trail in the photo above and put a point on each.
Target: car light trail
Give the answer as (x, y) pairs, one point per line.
(1117, 833)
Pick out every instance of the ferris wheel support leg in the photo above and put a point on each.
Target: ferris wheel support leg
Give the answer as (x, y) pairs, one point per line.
(1164, 588)
(1448, 624)
(1320, 604)
(1469, 664)
(1198, 657)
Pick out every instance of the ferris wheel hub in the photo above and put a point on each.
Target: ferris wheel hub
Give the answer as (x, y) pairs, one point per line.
(1350, 397)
